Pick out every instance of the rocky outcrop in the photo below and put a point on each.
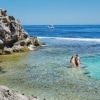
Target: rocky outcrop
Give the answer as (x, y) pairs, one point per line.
(8, 94)
(13, 35)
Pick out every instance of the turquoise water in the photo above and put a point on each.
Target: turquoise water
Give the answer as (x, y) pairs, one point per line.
(87, 50)
(92, 64)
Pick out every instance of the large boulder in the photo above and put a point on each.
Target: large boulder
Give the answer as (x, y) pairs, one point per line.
(8, 50)
(12, 33)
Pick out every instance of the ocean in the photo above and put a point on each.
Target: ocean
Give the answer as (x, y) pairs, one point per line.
(46, 72)
(63, 41)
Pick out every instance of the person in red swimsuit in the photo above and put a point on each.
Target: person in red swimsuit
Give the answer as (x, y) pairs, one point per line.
(77, 60)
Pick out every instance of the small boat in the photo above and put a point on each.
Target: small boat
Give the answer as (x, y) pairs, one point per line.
(50, 26)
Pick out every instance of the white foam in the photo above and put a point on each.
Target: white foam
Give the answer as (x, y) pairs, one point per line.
(80, 39)
(47, 37)
(74, 39)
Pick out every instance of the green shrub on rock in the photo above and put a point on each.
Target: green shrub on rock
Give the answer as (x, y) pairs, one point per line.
(11, 18)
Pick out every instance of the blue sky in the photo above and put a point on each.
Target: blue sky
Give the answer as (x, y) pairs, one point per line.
(69, 12)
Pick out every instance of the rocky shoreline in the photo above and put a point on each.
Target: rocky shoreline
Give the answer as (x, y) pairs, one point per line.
(13, 37)
(8, 94)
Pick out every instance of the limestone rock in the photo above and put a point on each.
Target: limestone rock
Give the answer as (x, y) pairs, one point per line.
(8, 50)
(8, 94)
(12, 33)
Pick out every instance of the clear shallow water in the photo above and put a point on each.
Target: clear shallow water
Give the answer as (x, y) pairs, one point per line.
(92, 65)
(46, 72)
(88, 51)
(71, 40)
